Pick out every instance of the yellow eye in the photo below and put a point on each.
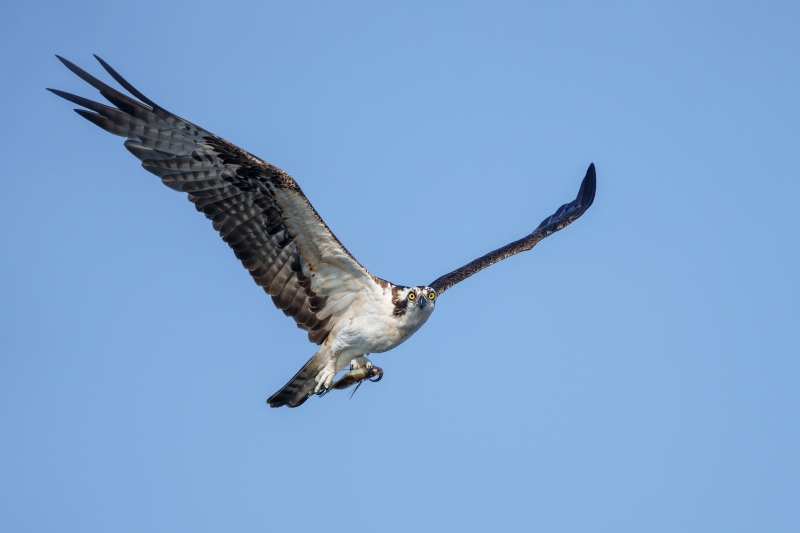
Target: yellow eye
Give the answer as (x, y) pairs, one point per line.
(411, 296)
(431, 295)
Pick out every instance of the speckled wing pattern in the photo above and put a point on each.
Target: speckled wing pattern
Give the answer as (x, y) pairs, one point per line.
(257, 208)
(563, 217)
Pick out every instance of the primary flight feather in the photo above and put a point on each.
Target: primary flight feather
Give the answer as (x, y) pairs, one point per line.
(260, 211)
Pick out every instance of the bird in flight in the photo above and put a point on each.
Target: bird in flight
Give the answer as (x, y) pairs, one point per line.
(260, 211)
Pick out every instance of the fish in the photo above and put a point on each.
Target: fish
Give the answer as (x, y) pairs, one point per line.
(357, 375)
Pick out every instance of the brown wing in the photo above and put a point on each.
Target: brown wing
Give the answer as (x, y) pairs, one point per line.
(563, 217)
(257, 208)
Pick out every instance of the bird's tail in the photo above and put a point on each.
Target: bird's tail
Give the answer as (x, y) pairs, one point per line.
(300, 386)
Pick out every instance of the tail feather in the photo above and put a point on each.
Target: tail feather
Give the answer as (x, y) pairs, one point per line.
(298, 390)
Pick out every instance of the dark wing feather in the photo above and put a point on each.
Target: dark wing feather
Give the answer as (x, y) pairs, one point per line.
(563, 217)
(257, 208)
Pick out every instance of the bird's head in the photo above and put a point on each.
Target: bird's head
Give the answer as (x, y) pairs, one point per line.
(413, 300)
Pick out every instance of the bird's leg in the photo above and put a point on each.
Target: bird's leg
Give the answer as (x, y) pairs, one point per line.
(360, 361)
(325, 377)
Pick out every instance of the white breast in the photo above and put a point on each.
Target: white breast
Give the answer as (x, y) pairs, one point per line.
(374, 328)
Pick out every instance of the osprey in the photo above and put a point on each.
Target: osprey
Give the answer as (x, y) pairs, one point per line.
(260, 211)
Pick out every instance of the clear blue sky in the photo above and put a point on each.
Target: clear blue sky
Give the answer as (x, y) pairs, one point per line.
(638, 371)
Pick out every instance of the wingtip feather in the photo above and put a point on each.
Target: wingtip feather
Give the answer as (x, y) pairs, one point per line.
(82, 74)
(588, 187)
(70, 97)
(122, 81)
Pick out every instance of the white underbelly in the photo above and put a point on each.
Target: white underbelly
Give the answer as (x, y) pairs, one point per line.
(365, 334)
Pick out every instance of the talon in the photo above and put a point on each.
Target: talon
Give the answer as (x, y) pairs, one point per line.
(322, 392)
(378, 377)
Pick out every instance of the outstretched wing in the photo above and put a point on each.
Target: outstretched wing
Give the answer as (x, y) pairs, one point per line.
(562, 218)
(257, 208)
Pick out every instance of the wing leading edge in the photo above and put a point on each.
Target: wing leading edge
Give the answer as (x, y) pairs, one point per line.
(563, 217)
